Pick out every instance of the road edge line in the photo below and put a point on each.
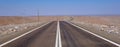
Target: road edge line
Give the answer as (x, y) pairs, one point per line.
(1, 45)
(95, 35)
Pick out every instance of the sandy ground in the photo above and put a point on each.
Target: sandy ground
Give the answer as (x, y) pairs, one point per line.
(108, 20)
(6, 20)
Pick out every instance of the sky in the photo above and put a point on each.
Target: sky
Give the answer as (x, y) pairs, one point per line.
(59, 7)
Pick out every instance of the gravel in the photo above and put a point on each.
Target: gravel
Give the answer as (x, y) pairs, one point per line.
(15, 28)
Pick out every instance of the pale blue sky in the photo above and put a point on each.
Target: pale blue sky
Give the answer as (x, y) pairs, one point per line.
(59, 7)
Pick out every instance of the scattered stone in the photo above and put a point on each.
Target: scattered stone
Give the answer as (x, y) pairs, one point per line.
(14, 28)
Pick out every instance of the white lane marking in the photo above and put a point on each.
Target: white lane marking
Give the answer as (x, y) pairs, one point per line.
(22, 35)
(96, 35)
(58, 36)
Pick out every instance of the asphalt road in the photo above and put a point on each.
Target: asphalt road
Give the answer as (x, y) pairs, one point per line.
(74, 37)
(70, 37)
(43, 37)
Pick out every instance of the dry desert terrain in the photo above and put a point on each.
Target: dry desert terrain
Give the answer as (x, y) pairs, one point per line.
(105, 26)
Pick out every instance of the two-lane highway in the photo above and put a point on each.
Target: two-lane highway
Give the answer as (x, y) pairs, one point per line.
(59, 34)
